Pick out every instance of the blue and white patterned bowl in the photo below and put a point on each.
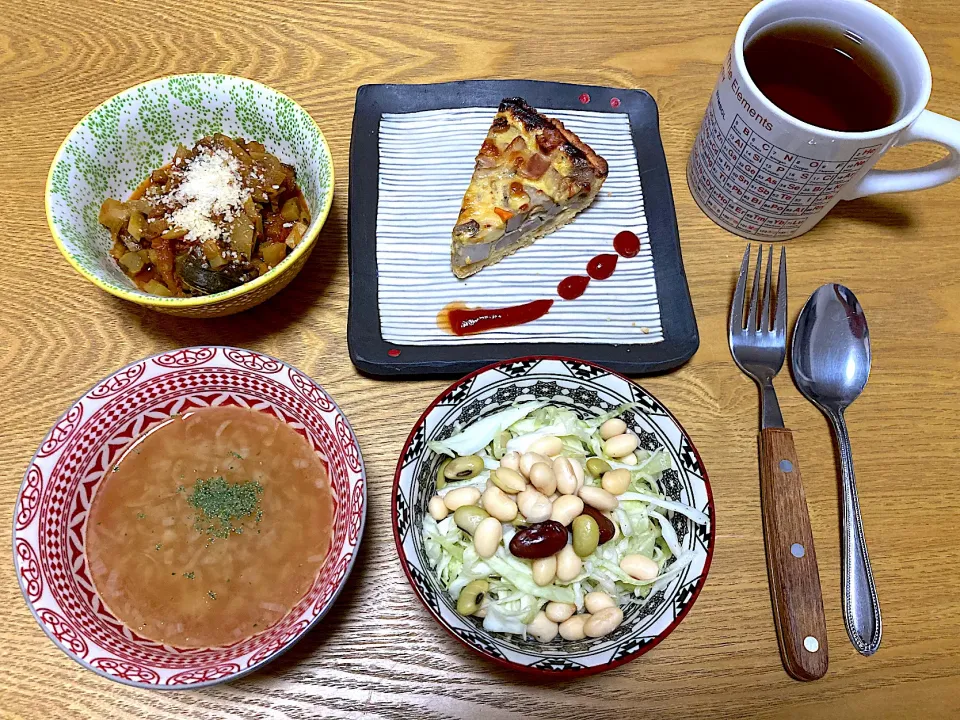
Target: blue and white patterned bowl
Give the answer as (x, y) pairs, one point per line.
(114, 148)
(589, 390)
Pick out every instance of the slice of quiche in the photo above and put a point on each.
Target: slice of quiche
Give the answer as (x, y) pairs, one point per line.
(532, 176)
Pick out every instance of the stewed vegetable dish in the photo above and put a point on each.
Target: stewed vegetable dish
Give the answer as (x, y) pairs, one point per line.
(219, 215)
(210, 528)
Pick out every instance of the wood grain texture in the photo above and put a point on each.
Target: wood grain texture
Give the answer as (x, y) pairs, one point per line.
(794, 580)
(378, 654)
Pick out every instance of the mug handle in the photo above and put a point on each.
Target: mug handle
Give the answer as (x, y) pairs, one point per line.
(928, 127)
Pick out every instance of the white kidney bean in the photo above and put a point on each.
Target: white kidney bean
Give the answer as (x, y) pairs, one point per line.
(577, 470)
(597, 601)
(511, 460)
(534, 506)
(616, 482)
(612, 428)
(566, 476)
(437, 508)
(598, 498)
(461, 496)
(529, 459)
(620, 445)
(572, 628)
(510, 481)
(566, 508)
(543, 628)
(630, 459)
(544, 570)
(487, 537)
(496, 502)
(640, 567)
(568, 564)
(558, 611)
(548, 445)
(603, 622)
(543, 478)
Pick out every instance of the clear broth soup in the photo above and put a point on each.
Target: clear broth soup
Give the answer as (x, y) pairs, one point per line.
(210, 528)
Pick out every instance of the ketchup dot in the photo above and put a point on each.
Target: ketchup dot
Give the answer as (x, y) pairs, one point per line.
(572, 287)
(393, 352)
(627, 244)
(614, 102)
(584, 98)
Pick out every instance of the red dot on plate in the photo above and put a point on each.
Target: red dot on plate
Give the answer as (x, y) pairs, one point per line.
(614, 102)
(393, 352)
(584, 98)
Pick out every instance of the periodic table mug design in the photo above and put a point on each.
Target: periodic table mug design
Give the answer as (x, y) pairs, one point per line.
(763, 174)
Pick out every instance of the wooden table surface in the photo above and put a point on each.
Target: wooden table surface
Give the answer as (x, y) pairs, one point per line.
(378, 654)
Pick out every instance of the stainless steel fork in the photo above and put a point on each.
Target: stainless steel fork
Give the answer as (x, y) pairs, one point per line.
(758, 346)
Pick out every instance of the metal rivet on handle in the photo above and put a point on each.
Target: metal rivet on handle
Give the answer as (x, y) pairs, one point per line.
(811, 644)
(797, 550)
(786, 466)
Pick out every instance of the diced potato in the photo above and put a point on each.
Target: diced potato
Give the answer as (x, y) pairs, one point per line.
(137, 225)
(241, 236)
(274, 253)
(296, 235)
(155, 287)
(291, 210)
(114, 215)
(212, 252)
(132, 262)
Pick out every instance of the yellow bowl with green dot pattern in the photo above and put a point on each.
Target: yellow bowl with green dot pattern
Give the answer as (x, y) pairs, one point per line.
(114, 148)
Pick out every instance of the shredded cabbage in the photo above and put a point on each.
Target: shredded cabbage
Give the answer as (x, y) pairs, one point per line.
(642, 520)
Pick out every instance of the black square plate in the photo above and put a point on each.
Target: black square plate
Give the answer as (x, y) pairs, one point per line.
(368, 350)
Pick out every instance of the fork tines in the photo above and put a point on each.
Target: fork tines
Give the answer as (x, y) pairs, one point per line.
(757, 319)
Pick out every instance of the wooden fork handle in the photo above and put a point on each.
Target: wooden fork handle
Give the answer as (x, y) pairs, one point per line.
(791, 559)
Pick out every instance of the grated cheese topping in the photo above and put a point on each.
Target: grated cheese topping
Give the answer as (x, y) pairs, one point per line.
(210, 186)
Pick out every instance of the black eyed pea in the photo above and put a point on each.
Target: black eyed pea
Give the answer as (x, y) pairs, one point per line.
(569, 564)
(472, 596)
(640, 567)
(558, 611)
(463, 468)
(620, 445)
(612, 428)
(566, 508)
(599, 498)
(528, 460)
(603, 622)
(543, 628)
(630, 459)
(543, 478)
(460, 497)
(487, 537)
(616, 482)
(597, 601)
(586, 535)
(482, 612)
(510, 481)
(548, 445)
(437, 508)
(534, 506)
(511, 460)
(496, 502)
(597, 466)
(468, 517)
(572, 628)
(567, 482)
(544, 570)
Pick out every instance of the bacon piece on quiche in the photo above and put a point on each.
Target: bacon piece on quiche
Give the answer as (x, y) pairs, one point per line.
(532, 176)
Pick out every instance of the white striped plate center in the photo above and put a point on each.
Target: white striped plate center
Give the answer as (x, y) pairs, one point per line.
(426, 160)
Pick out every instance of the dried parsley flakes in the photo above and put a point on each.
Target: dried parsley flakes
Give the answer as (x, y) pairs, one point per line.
(220, 504)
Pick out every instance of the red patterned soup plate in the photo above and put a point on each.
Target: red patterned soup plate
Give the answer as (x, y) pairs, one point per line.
(62, 478)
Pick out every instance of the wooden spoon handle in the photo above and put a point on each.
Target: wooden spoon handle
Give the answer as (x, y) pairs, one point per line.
(791, 559)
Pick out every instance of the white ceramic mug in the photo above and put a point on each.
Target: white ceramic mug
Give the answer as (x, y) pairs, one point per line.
(765, 175)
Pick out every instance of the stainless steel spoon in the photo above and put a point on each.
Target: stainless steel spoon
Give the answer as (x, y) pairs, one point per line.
(830, 355)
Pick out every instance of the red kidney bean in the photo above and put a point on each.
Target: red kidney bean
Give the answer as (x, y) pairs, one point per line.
(607, 529)
(539, 541)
